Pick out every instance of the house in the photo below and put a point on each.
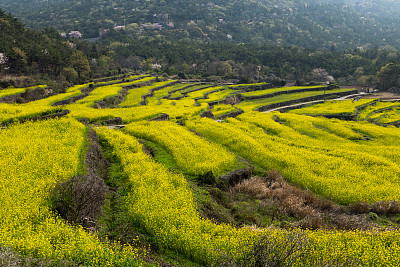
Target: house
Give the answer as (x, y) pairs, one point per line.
(3, 58)
(120, 27)
(75, 34)
(152, 26)
(155, 66)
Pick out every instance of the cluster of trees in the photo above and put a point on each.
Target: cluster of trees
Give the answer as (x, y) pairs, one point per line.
(24, 51)
(45, 52)
(305, 23)
(388, 77)
(39, 53)
(250, 61)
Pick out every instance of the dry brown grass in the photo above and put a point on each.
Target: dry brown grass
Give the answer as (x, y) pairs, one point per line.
(291, 249)
(311, 211)
(267, 251)
(255, 186)
(350, 222)
(80, 199)
(7, 80)
(295, 205)
(360, 207)
(10, 258)
(386, 207)
(383, 207)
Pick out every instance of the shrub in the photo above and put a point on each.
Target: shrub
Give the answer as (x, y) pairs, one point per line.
(273, 250)
(79, 200)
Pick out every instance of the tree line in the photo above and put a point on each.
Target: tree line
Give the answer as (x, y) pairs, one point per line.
(39, 53)
(253, 62)
(305, 23)
(46, 53)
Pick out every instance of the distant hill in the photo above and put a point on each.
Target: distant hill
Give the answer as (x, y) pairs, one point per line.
(305, 23)
(37, 52)
(23, 49)
(247, 40)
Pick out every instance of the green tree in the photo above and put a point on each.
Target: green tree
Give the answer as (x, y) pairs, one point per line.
(80, 64)
(18, 60)
(388, 76)
(70, 74)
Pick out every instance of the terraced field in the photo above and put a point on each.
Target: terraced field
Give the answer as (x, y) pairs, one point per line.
(345, 107)
(188, 181)
(372, 110)
(13, 91)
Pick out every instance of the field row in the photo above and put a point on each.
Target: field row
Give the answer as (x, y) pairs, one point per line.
(372, 110)
(344, 161)
(179, 100)
(34, 157)
(161, 202)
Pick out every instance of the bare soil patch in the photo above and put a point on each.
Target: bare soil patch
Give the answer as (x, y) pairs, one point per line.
(382, 95)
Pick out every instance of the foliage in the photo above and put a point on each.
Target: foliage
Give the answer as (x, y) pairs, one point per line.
(31, 51)
(250, 105)
(134, 97)
(334, 107)
(34, 157)
(391, 116)
(201, 93)
(185, 91)
(14, 91)
(388, 76)
(192, 153)
(218, 95)
(81, 65)
(162, 204)
(381, 113)
(15, 112)
(46, 52)
(308, 24)
(112, 81)
(281, 89)
(219, 110)
(324, 159)
(345, 161)
(158, 95)
(106, 91)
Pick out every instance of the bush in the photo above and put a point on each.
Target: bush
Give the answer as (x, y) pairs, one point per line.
(70, 74)
(271, 250)
(373, 216)
(80, 199)
(207, 178)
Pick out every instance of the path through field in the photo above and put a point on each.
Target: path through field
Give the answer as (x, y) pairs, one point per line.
(298, 105)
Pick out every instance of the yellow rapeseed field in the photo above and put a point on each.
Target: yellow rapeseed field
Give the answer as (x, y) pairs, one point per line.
(33, 158)
(345, 161)
(192, 153)
(162, 203)
(330, 157)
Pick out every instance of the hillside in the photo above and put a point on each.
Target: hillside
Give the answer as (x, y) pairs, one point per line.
(44, 54)
(27, 50)
(168, 135)
(316, 23)
(190, 174)
(37, 53)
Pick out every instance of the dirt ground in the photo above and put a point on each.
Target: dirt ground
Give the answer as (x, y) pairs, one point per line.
(382, 95)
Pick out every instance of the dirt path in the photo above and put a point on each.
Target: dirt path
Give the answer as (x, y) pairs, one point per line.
(386, 96)
(314, 102)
